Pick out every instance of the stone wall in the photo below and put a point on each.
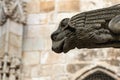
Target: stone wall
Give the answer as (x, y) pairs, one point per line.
(40, 62)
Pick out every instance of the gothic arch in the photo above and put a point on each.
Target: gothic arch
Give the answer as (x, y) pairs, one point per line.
(97, 70)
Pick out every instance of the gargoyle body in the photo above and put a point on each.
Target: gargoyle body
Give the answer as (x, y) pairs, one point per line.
(93, 29)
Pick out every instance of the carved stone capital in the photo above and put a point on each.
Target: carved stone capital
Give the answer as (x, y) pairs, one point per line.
(14, 10)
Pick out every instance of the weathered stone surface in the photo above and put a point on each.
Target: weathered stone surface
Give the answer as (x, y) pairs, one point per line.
(40, 33)
(44, 18)
(27, 78)
(40, 63)
(2, 51)
(14, 51)
(36, 31)
(68, 5)
(87, 5)
(45, 69)
(12, 18)
(29, 31)
(114, 62)
(59, 69)
(111, 2)
(39, 44)
(2, 41)
(62, 77)
(113, 53)
(33, 6)
(36, 71)
(33, 19)
(13, 10)
(31, 57)
(42, 78)
(16, 28)
(58, 17)
(49, 57)
(15, 40)
(27, 71)
(47, 6)
(72, 68)
(27, 46)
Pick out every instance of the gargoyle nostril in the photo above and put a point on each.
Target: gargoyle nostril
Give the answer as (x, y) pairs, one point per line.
(53, 37)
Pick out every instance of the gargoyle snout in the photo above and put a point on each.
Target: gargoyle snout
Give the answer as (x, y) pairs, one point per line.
(54, 36)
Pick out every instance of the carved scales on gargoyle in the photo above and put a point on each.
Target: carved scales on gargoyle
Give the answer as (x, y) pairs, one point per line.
(12, 9)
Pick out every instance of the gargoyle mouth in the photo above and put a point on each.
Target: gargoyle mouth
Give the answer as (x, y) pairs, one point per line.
(58, 46)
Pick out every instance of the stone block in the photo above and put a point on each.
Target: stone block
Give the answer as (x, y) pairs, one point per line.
(16, 28)
(39, 44)
(31, 57)
(15, 40)
(31, 44)
(36, 70)
(68, 5)
(59, 69)
(44, 18)
(2, 51)
(111, 2)
(62, 77)
(49, 57)
(114, 62)
(38, 35)
(41, 18)
(58, 17)
(33, 19)
(47, 6)
(87, 5)
(27, 78)
(14, 51)
(73, 56)
(113, 53)
(2, 41)
(33, 6)
(27, 44)
(26, 71)
(35, 31)
(46, 70)
(41, 33)
(72, 68)
(4, 28)
(42, 78)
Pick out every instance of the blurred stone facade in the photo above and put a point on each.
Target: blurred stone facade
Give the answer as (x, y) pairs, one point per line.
(33, 44)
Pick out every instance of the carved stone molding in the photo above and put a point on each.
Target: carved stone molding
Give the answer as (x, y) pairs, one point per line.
(10, 68)
(12, 9)
(96, 73)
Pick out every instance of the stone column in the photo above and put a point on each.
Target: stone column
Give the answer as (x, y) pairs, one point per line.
(12, 21)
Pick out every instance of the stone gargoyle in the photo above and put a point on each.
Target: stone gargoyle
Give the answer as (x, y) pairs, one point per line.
(92, 29)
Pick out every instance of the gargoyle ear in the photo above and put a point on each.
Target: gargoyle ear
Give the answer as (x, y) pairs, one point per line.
(64, 22)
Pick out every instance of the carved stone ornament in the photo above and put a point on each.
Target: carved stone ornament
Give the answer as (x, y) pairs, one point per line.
(12, 9)
(92, 29)
(10, 68)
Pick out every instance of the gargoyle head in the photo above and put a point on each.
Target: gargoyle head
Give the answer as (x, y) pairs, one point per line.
(63, 39)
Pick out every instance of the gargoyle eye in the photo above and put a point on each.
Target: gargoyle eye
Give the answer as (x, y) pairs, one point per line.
(64, 22)
(63, 25)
